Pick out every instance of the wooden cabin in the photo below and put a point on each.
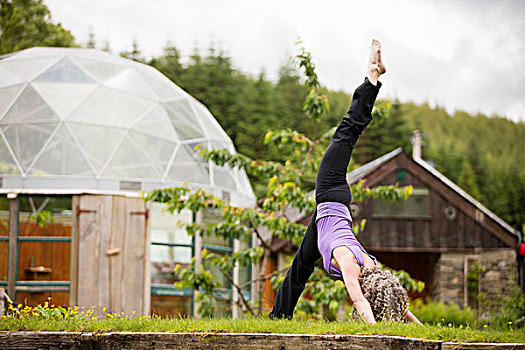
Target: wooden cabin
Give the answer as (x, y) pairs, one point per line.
(440, 235)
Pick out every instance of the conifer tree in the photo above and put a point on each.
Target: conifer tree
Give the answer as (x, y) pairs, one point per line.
(467, 180)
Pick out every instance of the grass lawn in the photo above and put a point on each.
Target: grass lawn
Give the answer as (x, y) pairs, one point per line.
(52, 319)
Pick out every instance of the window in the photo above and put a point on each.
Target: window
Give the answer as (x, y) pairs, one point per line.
(416, 206)
(43, 248)
(170, 245)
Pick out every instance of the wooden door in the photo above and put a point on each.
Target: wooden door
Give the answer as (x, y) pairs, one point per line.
(111, 246)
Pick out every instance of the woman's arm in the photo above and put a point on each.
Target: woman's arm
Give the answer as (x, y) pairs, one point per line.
(351, 270)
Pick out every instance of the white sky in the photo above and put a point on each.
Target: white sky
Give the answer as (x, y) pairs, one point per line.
(465, 54)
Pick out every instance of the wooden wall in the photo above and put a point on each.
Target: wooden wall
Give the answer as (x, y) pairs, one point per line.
(111, 249)
(469, 230)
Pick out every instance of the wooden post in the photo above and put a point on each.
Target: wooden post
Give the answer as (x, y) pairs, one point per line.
(198, 260)
(255, 271)
(12, 265)
(146, 306)
(73, 271)
(235, 292)
(2, 301)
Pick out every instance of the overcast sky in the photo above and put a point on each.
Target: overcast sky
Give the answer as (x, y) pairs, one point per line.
(467, 55)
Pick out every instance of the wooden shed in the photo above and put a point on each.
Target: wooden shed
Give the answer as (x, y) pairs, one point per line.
(93, 252)
(440, 235)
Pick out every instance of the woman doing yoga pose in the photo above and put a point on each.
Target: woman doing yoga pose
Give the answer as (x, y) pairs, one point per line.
(343, 256)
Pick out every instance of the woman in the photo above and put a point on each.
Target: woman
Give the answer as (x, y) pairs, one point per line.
(343, 256)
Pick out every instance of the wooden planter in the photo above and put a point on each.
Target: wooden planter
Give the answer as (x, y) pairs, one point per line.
(227, 341)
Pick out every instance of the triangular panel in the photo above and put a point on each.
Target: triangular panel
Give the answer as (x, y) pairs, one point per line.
(131, 81)
(62, 156)
(223, 176)
(131, 161)
(211, 127)
(244, 183)
(186, 168)
(7, 163)
(64, 98)
(65, 71)
(158, 151)
(101, 70)
(185, 154)
(7, 96)
(158, 124)
(29, 107)
(26, 141)
(110, 107)
(30, 68)
(162, 86)
(97, 141)
(184, 120)
(8, 78)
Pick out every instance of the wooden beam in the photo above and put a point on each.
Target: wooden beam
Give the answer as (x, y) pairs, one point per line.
(73, 271)
(211, 340)
(373, 249)
(197, 239)
(12, 264)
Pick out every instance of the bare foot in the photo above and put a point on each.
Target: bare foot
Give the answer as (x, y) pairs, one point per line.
(375, 66)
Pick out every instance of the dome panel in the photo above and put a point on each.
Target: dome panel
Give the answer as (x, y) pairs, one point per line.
(102, 71)
(98, 142)
(7, 96)
(222, 176)
(184, 164)
(211, 127)
(30, 68)
(162, 86)
(8, 78)
(244, 183)
(7, 162)
(29, 107)
(184, 120)
(131, 161)
(64, 98)
(106, 106)
(27, 140)
(65, 71)
(184, 154)
(132, 82)
(158, 124)
(157, 150)
(62, 156)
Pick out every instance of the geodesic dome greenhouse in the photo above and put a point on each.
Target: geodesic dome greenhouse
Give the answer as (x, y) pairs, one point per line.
(86, 119)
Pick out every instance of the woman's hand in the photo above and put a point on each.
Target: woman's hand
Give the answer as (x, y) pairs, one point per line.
(410, 317)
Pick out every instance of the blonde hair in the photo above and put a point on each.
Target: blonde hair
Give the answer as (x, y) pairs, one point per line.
(388, 299)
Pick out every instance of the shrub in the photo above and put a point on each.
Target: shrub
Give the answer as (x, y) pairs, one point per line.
(428, 311)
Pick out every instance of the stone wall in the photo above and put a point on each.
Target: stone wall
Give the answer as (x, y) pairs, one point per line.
(449, 278)
(497, 275)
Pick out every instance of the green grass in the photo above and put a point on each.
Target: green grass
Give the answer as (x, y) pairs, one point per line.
(57, 319)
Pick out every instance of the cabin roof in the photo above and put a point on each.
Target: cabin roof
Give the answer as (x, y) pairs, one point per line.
(365, 170)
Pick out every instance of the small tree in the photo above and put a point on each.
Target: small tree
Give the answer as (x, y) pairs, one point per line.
(287, 186)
